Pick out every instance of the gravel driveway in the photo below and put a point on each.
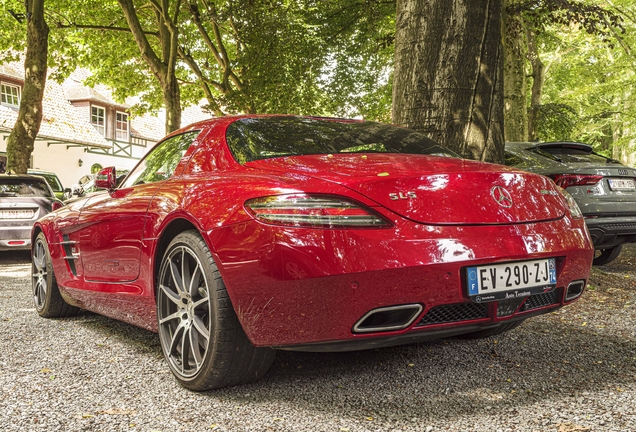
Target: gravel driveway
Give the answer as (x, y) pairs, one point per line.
(573, 370)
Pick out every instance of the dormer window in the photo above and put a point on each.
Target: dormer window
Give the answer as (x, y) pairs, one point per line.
(10, 95)
(122, 130)
(98, 119)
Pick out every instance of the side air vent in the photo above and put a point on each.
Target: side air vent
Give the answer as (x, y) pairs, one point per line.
(69, 253)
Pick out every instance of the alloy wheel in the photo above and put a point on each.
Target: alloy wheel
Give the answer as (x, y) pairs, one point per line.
(40, 285)
(183, 308)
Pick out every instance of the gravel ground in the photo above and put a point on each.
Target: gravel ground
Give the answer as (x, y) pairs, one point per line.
(570, 371)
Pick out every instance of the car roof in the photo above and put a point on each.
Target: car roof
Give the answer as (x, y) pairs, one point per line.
(22, 176)
(552, 144)
(39, 171)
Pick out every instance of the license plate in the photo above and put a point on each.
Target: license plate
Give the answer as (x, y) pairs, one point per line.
(16, 214)
(511, 280)
(622, 184)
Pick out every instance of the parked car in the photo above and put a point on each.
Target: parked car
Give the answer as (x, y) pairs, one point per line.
(23, 200)
(240, 235)
(54, 181)
(86, 184)
(604, 189)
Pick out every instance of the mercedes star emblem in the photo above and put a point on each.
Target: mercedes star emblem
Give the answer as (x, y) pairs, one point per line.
(502, 196)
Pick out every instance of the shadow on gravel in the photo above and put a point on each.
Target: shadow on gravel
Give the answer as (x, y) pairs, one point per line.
(453, 377)
(142, 340)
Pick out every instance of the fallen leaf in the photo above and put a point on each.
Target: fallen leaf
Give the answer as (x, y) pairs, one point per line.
(569, 427)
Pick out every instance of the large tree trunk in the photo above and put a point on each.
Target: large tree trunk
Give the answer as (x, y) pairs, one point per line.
(538, 78)
(515, 105)
(22, 138)
(448, 78)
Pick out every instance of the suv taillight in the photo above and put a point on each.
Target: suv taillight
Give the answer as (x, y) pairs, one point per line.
(567, 180)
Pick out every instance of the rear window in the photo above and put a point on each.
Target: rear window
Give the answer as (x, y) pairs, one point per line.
(53, 181)
(263, 138)
(20, 187)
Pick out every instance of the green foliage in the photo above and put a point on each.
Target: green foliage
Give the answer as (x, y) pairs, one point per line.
(358, 42)
(556, 122)
(594, 79)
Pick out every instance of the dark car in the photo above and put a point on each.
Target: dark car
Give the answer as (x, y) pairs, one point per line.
(23, 200)
(237, 236)
(54, 181)
(604, 189)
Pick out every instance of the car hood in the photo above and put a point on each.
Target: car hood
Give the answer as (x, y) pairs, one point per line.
(433, 190)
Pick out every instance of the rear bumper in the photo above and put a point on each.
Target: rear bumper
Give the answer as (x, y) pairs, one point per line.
(607, 232)
(308, 290)
(15, 237)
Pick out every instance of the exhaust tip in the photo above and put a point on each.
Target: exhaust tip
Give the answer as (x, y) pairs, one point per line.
(575, 289)
(388, 318)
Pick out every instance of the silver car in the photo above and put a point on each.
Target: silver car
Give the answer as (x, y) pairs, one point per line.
(604, 189)
(23, 200)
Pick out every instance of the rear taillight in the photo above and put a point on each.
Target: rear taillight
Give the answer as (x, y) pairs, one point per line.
(56, 205)
(314, 211)
(567, 180)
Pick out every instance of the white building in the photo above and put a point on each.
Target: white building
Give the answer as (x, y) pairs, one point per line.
(82, 127)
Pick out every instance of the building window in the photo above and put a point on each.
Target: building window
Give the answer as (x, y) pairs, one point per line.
(10, 95)
(98, 119)
(121, 127)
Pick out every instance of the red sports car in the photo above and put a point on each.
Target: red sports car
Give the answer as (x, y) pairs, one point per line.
(237, 236)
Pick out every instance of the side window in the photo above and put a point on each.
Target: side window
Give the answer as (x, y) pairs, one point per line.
(161, 162)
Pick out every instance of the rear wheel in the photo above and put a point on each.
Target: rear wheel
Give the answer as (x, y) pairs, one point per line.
(493, 331)
(201, 337)
(606, 256)
(46, 295)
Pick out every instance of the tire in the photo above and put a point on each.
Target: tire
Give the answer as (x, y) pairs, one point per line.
(502, 328)
(46, 294)
(606, 256)
(201, 337)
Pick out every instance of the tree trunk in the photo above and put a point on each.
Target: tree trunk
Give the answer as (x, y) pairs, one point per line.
(172, 101)
(162, 65)
(448, 78)
(22, 138)
(538, 78)
(515, 105)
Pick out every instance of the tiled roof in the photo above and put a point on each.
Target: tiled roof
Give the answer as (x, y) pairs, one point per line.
(61, 121)
(12, 70)
(148, 127)
(75, 89)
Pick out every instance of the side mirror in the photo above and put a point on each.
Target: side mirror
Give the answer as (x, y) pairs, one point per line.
(106, 178)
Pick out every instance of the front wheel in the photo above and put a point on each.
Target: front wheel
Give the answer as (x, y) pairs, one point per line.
(201, 337)
(606, 256)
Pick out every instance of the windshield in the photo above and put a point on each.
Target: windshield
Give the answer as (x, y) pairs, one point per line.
(53, 181)
(252, 139)
(20, 187)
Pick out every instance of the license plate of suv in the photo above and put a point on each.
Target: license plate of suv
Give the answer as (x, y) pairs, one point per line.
(622, 184)
(16, 214)
(510, 280)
